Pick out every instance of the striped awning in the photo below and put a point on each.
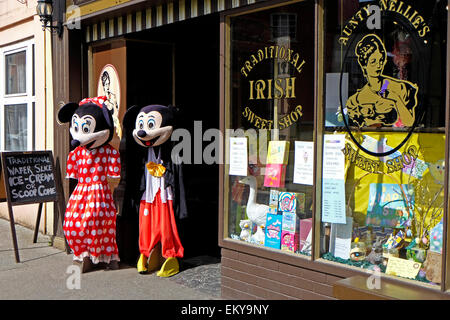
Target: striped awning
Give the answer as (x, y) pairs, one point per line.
(159, 15)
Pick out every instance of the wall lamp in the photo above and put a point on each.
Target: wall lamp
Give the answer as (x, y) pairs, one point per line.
(45, 10)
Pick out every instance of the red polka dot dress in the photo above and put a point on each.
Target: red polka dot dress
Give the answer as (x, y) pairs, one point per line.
(90, 218)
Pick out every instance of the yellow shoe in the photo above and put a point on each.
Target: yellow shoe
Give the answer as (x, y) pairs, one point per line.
(142, 264)
(155, 260)
(169, 268)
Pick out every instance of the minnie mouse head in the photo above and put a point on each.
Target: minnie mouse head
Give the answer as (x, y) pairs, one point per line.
(91, 123)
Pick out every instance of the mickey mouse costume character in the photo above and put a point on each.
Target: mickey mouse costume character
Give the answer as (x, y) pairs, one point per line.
(161, 191)
(90, 218)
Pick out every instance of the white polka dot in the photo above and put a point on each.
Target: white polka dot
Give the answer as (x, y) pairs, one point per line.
(97, 160)
(81, 180)
(99, 232)
(103, 178)
(73, 233)
(89, 161)
(73, 158)
(69, 166)
(71, 224)
(100, 168)
(92, 170)
(94, 151)
(108, 249)
(104, 159)
(77, 224)
(102, 150)
(81, 234)
(91, 223)
(113, 160)
(91, 204)
(88, 179)
(84, 170)
(89, 241)
(93, 232)
(116, 169)
(106, 239)
(146, 212)
(114, 151)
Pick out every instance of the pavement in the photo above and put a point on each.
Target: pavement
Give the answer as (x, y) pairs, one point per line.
(47, 273)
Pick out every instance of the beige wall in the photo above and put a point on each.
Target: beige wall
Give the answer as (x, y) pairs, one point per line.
(19, 22)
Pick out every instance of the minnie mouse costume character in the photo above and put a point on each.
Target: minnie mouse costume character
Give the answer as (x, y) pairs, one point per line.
(90, 218)
(162, 198)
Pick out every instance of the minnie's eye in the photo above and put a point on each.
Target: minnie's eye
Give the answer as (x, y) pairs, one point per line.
(75, 127)
(85, 128)
(151, 123)
(141, 124)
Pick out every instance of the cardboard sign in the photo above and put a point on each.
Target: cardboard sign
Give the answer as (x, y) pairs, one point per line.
(402, 267)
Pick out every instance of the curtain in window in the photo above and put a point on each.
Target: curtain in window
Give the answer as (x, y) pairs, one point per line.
(16, 127)
(16, 73)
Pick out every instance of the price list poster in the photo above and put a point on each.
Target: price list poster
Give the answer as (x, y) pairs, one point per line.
(333, 179)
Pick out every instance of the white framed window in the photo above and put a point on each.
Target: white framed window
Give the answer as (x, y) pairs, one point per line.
(17, 96)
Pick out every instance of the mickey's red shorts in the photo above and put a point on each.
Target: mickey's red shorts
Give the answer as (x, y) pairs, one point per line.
(157, 223)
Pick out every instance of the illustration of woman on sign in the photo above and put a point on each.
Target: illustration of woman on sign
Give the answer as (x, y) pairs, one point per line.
(383, 100)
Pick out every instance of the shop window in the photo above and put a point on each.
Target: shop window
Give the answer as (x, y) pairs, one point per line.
(17, 96)
(269, 128)
(384, 143)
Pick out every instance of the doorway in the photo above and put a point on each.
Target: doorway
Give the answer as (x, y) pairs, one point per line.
(179, 64)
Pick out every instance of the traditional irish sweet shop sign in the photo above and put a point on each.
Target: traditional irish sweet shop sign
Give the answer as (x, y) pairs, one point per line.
(26, 178)
(281, 65)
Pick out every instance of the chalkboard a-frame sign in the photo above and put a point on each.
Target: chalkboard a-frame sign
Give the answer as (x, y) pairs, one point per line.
(29, 177)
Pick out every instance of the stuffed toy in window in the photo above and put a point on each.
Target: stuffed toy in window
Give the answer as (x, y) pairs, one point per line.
(90, 217)
(161, 190)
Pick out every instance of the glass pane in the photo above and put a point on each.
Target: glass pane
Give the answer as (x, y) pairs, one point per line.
(16, 131)
(15, 65)
(272, 103)
(384, 147)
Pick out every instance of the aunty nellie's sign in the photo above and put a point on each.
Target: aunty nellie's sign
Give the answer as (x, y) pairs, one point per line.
(385, 46)
(274, 80)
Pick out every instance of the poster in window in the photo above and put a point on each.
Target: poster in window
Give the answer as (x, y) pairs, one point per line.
(109, 86)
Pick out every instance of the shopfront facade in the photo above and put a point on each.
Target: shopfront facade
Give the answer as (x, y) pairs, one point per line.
(333, 118)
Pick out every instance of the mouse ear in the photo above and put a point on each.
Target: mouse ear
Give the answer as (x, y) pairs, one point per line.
(66, 112)
(108, 116)
(129, 118)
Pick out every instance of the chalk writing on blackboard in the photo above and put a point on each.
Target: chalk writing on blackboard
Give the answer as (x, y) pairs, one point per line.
(30, 177)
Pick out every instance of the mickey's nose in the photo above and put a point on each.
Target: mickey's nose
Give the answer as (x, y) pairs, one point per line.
(141, 133)
(75, 143)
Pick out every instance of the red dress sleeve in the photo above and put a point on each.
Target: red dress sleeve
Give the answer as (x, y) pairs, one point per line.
(113, 163)
(72, 166)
